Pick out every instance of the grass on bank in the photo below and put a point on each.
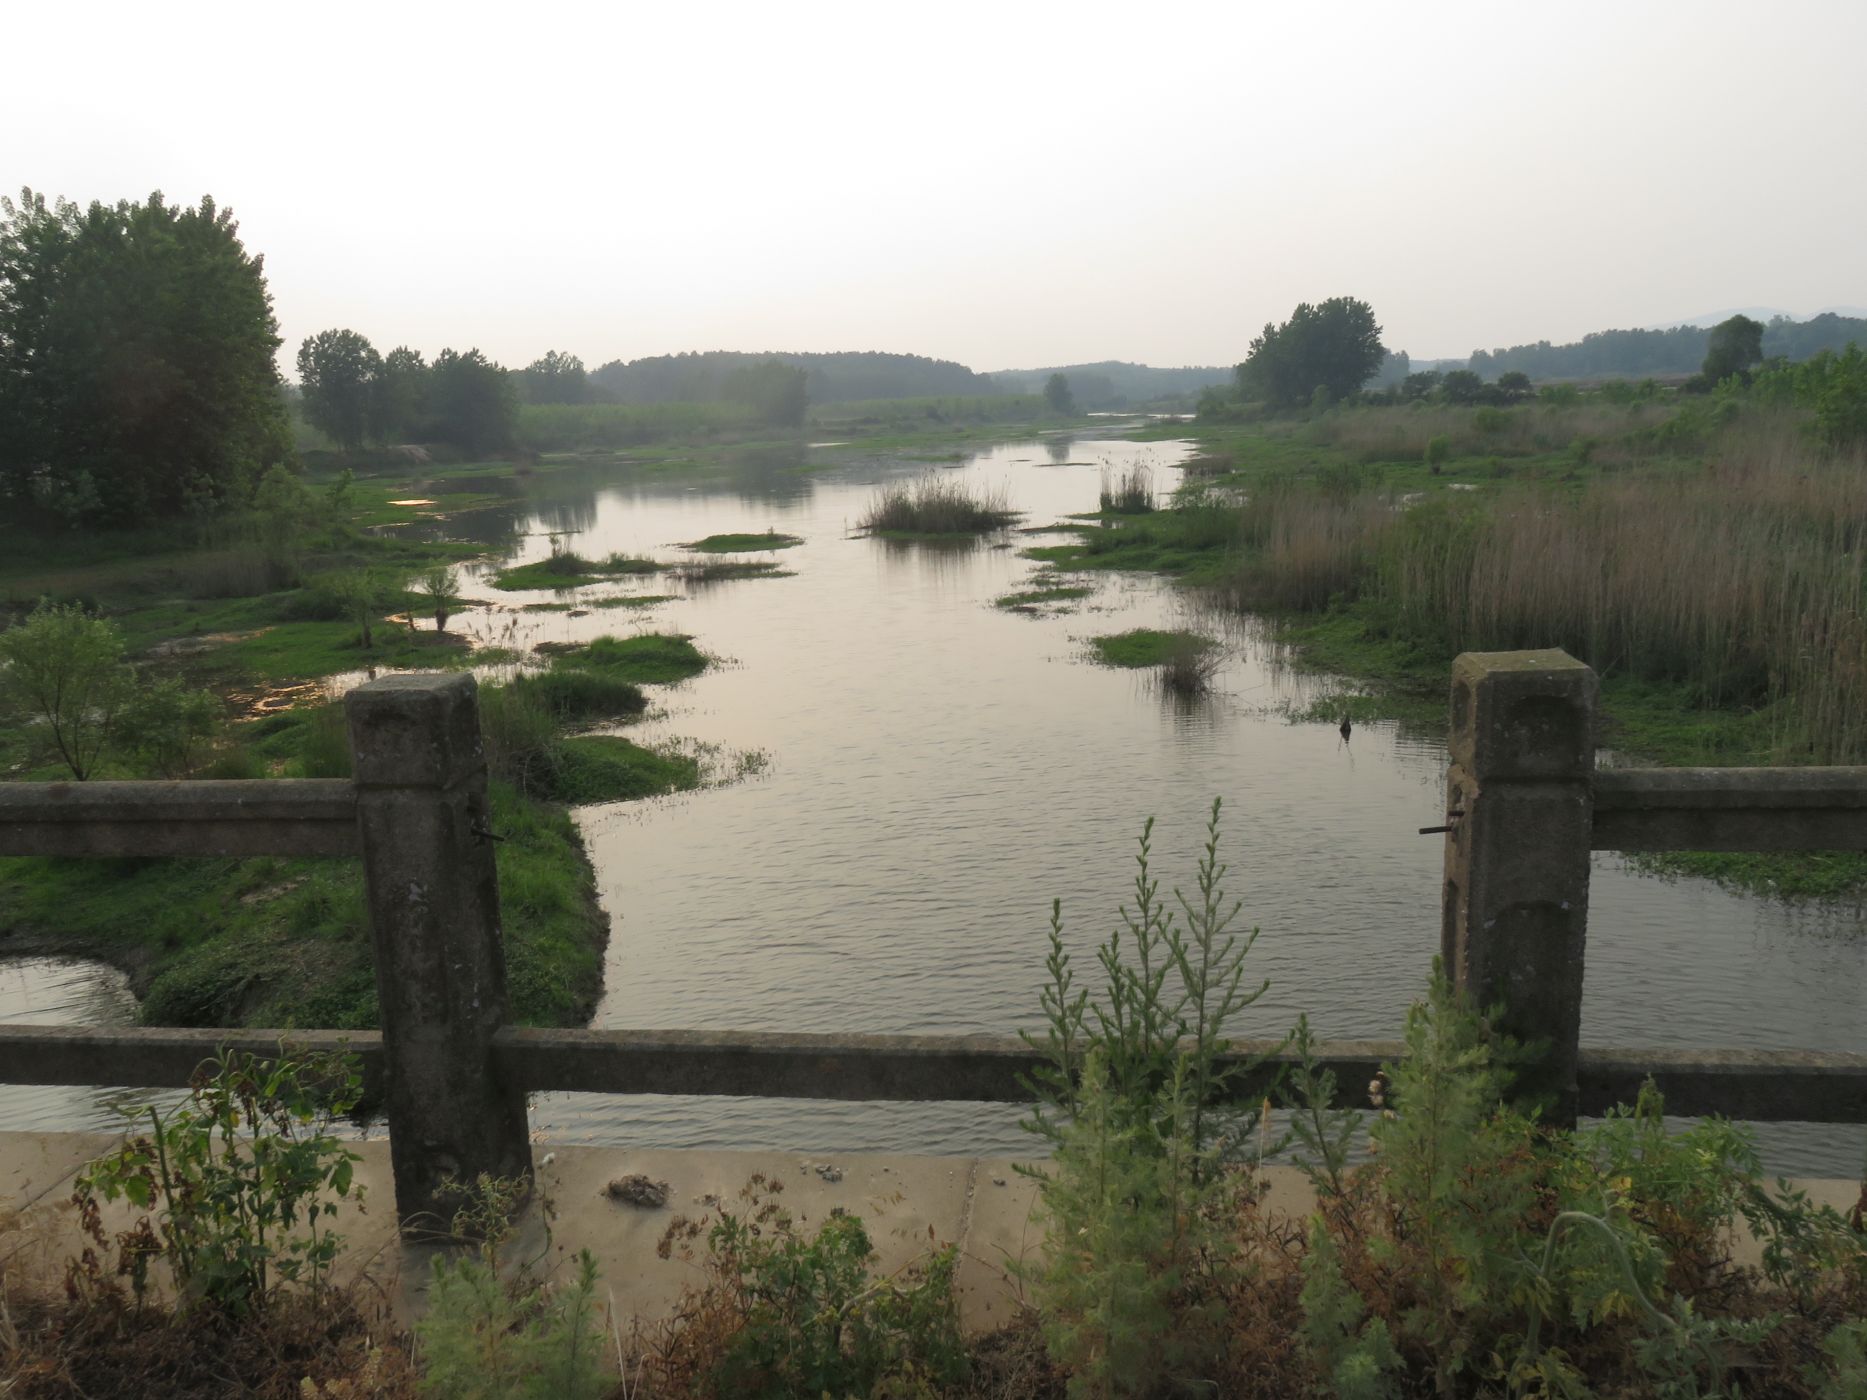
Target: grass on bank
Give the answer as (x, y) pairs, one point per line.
(1146, 647)
(652, 658)
(935, 507)
(563, 569)
(744, 543)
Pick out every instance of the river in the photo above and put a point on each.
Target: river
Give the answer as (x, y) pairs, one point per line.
(906, 775)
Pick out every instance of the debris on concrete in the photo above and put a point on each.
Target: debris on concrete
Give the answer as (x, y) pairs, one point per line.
(637, 1190)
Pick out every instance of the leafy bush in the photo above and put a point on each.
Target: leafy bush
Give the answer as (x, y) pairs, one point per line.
(785, 1314)
(485, 1338)
(233, 1174)
(936, 505)
(1135, 1102)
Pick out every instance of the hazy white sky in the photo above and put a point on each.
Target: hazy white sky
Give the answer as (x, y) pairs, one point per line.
(1003, 184)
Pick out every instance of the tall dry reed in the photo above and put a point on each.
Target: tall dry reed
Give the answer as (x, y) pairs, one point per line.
(1742, 580)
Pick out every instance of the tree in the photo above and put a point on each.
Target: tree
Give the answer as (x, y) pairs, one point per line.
(778, 393)
(1735, 346)
(473, 401)
(1462, 386)
(555, 379)
(1335, 347)
(399, 396)
(1514, 386)
(337, 373)
(136, 360)
(65, 668)
(1057, 394)
(438, 584)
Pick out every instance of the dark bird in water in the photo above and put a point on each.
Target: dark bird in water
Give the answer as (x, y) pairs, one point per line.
(1347, 728)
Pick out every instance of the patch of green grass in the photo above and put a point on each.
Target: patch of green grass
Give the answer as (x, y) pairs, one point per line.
(744, 543)
(633, 600)
(574, 694)
(1042, 596)
(303, 650)
(275, 942)
(565, 570)
(1145, 647)
(720, 570)
(654, 658)
(604, 768)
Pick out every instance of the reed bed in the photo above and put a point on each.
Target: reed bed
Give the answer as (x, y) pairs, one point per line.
(937, 505)
(1394, 434)
(1128, 493)
(1743, 582)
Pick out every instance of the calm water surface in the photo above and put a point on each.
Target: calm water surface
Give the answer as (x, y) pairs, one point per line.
(906, 776)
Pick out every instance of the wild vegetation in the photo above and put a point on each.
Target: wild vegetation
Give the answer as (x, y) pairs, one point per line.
(934, 506)
(1471, 1251)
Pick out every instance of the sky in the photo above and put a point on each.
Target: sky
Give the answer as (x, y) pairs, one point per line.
(1006, 184)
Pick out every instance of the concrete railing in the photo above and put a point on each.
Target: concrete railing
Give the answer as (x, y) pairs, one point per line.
(453, 1075)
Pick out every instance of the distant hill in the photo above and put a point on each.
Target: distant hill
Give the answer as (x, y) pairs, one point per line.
(1116, 383)
(835, 377)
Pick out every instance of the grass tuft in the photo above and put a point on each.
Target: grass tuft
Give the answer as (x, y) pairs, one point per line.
(935, 506)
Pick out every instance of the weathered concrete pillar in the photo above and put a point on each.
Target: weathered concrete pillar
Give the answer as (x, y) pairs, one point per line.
(1516, 895)
(434, 917)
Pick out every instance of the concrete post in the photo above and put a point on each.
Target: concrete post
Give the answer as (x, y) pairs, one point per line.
(1520, 806)
(434, 916)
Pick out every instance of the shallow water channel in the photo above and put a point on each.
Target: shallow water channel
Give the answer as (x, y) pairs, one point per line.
(906, 775)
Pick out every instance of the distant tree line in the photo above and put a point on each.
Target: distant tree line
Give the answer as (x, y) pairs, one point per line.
(1680, 350)
(354, 395)
(1116, 384)
(137, 378)
(717, 376)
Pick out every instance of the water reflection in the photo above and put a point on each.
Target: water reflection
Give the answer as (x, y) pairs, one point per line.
(941, 769)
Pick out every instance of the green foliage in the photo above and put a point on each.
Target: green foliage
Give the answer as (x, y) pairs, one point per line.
(782, 1313)
(240, 1177)
(1456, 1169)
(1833, 386)
(64, 668)
(649, 658)
(1732, 348)
(472, 402)
(554, 378)
(1334, 346)
(935, 506)
(1352, 1350)
(1057, 395)
(1146, 647)
(171, 726)
(776, 392)
(488, 1338)
(337, 370)
(136, 361)
(438, 583)
(743, 542)
(1138, 1106)
(1438, 451)
(1324, 1133)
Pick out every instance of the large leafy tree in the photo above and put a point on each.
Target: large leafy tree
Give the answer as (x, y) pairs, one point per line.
(473, 401)
(337, 370)
(1733, 347)
(1334, 346)
(555, 378)
(399, 396)
(136, 360)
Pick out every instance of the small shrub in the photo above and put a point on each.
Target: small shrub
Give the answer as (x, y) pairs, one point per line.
(438, 585)
(233, 1174)
(781, 1313)
(484, 1338)
(1438, 452)
(171, 726)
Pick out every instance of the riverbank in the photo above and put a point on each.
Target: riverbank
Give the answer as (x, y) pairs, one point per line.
(1648, 538)
(246, 623)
